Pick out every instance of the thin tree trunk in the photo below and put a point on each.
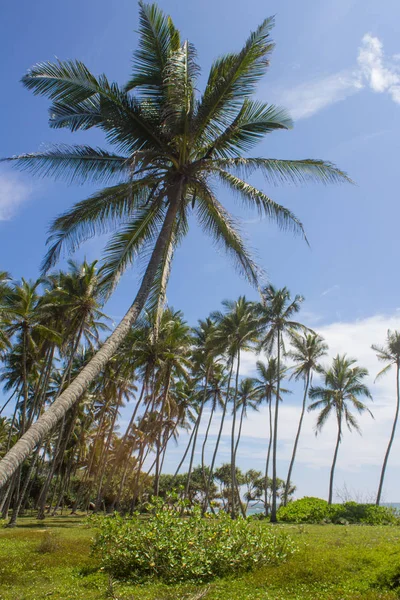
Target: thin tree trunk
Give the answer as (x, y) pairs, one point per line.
(22, 494)
(221, 426)
(396, 416)
(339, 435)
(198, 421)
(275, 440)
(46, 423)
(268, 458)
(296, 441)
(233, 432)
(203, 447)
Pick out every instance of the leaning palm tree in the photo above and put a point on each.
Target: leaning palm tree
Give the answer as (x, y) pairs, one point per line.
(306, 351)
(343, 384)
(171, 147)
(389, 353)
(278, 310)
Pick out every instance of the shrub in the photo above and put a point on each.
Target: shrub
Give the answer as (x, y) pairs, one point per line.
(315, 510)
(172, 547)
(305, 510)
(368, 514)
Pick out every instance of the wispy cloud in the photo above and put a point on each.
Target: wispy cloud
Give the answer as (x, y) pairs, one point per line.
(334, 288)
(13, 193)
(373, 71)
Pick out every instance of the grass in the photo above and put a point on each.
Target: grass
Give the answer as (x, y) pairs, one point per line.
(51, 559)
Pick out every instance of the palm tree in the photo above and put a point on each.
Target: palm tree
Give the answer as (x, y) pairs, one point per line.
(389, 353)
(306, 351)
(248, 397)
(266, 388)
(343, 384)
(171, 146)
(278, 310)
(237, 331)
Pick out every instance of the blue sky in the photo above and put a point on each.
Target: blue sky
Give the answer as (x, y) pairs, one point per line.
(337, 68)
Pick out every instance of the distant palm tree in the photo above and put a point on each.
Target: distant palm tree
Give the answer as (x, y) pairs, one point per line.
(389, 353)
(172, 146)
(238, 329)
(248, 398)
(343, 384)
(306, 351)
(267, 388)
(278, 310)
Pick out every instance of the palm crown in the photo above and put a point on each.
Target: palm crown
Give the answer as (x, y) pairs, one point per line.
(169, 140)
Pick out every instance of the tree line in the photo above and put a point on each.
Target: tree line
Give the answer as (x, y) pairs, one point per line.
(177, 378)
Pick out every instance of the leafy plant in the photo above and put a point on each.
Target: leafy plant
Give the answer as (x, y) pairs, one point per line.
(173, 547)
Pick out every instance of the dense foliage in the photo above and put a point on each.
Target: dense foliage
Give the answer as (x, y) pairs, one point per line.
(315, 510)
(173, 545)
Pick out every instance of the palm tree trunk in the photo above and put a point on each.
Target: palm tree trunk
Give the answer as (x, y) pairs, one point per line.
(296, 441)
(339, 435)
(203, 446)
(233, 431)
(396, 416)
(221, 426)
(197, 425)
(275, 437)
(57, 411)
(268, 458)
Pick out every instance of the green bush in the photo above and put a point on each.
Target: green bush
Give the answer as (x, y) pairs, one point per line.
(173, 547)
(315, 510)
(305, 510)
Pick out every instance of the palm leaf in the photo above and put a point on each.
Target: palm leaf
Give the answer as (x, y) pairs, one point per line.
(217, 222)
(74, 164)
(254, 198)
(279, 171)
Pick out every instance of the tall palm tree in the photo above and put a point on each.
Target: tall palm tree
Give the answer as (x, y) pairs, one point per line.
(389, 353)
(306, 351)
(343, 385)
(278, 310)
(248, 397)
(237, 330)
(266, 383)
(171, 146)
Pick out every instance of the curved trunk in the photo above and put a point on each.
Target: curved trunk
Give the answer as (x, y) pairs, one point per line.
(275, 440)
(268, 458)
(57, 411)
(396, 416)
(339, 435)
(296, 441)
(234, 486)
(203, 446)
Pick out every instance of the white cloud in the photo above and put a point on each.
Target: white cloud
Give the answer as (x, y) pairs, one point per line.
(304, 100)
(13, 193)
(334, 288)
(374, 71)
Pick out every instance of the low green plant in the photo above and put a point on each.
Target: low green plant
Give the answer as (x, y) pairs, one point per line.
(315, 510)
(49, 543)
(305, 510)
(175, 546)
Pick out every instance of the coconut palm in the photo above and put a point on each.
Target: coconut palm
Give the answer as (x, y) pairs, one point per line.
(171, 147)
(306, 351)
(266, 383)
(248, 398)
(278, 310)
(343, 385)
(237, 331)
(389, 353)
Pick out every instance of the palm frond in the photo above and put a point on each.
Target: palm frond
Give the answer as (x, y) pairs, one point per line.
(232, 79)
(217, 222)
(76, 116)
(73, 164)
(254, 198)
(157, 37)
(253, 121)
(94, 216)
(278, 171)
(126, 243)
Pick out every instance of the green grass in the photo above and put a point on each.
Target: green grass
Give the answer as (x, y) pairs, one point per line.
(52, 560)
